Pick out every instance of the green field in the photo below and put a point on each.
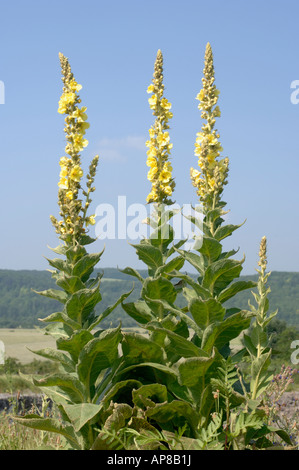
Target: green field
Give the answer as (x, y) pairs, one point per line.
(17, 341)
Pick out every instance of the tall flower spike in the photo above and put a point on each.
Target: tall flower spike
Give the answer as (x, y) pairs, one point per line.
(71, 173)
(159, 146)
(212, 174)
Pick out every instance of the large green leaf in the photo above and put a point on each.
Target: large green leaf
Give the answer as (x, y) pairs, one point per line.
(232, 290)
(154, 392)
(139, 311)
(193, 368)
(150, 255)
(50, 425)
(58, 317)
(195, 260)
(220, 274)
(175, 411)
(84, 267)
(70, 284)
(69, 384)
(224, 231)
(82, 303)
(98, 354)
(75, 343)
(82, 413)
(176, 344)
(205, 312)
(159, 288)
(211, 249)
(220, 333)
(109, 309)
(138, 348)
(54, 355)
(54, 294)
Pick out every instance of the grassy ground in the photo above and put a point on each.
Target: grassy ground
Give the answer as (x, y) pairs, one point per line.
(17, 341)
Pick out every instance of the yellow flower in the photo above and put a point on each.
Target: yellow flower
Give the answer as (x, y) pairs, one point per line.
(70, 195)
(63, 172)
(79, 143)
(165, 176)
(151, 89)
(165, 104)
(200, 95)
(163, 139)
(152, 152)
(90, 220)
(153, 101)
(76, 173)
(63, 161)
(151, 162)
(167, 190)
(74, 86)
(152, 197)
(68, 98)
(63, 183)
(80, 114)
(152, 173)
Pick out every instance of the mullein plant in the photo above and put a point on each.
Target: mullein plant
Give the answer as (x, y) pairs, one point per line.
(257, 342)
(88, 356)
(188, 351)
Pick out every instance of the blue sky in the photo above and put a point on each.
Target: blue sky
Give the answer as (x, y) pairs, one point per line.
(112, 47)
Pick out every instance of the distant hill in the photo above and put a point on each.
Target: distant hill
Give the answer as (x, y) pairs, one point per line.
(21, 307)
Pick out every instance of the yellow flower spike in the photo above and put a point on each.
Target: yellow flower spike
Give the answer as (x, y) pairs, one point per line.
(212, 176)
(159, 146)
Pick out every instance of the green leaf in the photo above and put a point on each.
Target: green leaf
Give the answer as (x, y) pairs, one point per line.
(166, 412)
(82, 303)
(71, 386)
(156, 392)
(75, 343)
(193, 368)
(70, 284)
(121, 391)
(176, 311)
(85, 266)
(220, 274)
(174, 264)
(152, 365)
(159, 288)
(109, 309)
(150, 255)
(54, 355)
(162, 236)
(234, 289)
(205, 312)
(139, 311)
(80, 414)
(211, 249)
(137, 348)
(55, 294)
(63, 318)
(98, 354)
(50, 425)
(220, 333)
(59, 264)
(224, 231)
(195, 260)
(132, 272)
(177, 344)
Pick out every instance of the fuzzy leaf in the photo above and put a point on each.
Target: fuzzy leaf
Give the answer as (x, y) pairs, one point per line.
(205, 312)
